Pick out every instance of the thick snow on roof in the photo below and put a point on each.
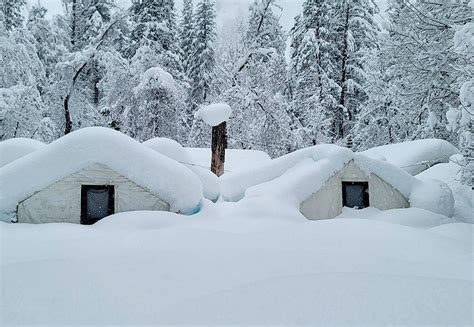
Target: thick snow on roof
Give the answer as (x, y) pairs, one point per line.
(214, 114)
(173, 182)
(175, 151)
(13, 149)
(233, 186)
(414, 156)
(235, 159)
(296, 176)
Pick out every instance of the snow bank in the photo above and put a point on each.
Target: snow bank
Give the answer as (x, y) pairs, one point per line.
(176, 151)
(13, 149)
(173, 182)
(214, 114)
(148, 269)
(423, 194)
(414, 156)
(235, 159)
(449, 173)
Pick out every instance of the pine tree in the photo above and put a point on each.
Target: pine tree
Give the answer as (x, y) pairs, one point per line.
(313, 63)
(202, 68)
(201, 73)
(12, 16)
(356, 34)
(186, 34)
(154, 26)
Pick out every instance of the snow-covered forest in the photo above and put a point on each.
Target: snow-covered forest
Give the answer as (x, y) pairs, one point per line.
(338, 76)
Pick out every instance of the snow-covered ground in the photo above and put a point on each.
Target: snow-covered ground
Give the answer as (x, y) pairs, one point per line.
(249, 262)
(253, 262)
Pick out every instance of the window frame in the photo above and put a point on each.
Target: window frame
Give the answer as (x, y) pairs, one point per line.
(366, 197)
(111, 202)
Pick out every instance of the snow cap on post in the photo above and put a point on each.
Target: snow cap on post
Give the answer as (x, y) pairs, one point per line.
(214, 114)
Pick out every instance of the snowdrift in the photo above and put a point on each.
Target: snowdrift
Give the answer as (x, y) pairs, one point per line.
(175, 183)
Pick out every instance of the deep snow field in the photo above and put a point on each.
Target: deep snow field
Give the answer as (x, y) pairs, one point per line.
(251, 262)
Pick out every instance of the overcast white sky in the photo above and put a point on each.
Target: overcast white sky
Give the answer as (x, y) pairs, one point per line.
(226, 9)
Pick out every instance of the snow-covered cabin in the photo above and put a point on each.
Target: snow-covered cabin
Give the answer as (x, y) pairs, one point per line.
(323, 179)
(13, 149)
(92, 173)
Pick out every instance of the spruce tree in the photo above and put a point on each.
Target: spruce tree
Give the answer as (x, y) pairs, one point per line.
(186, 35)
(356, 34)
(154, 26)
(202, 68)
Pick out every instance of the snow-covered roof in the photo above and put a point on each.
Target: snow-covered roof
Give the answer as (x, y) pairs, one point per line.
(175, 151)
(414, 156)
(298, 175)
(173, 182)
(15, 148)
(235, 159)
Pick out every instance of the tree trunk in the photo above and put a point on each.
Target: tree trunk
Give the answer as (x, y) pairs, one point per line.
(67, 116)
(338, 124)
(219, 144)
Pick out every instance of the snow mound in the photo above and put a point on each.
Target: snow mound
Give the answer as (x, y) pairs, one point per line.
(423, 194)
(463, 194)
(235, 159)
(15, 148)
(214, 114)
(176, 151)
(173, 182)
(414, 156)
(169, 148)
(293, 178)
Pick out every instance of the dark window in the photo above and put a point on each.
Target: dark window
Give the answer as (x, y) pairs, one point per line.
(355, 194)
(97, 202)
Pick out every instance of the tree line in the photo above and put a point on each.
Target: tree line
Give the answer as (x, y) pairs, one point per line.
(336, 77)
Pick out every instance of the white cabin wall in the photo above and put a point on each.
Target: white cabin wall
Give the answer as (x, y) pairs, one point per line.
(327, 202)
(61, 201)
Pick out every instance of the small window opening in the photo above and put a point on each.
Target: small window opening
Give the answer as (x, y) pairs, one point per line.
(97, 202)
(355, 195)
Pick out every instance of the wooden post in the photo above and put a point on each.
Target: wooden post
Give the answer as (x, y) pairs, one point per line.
(219, 144)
